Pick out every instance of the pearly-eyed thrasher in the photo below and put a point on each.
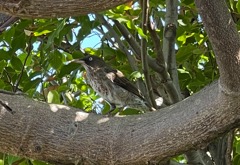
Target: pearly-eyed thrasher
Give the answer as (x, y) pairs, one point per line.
(111, 84)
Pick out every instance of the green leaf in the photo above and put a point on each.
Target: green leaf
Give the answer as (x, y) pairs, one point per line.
(238, 6)
(198, 51)
(184, 53)
(4, 55)
(11, 159)
(53, 97)
(19, 41)
(2, 66)
(238, 147)
(122, 8)
(16, 63)
(31, 84)
(55, 33)
(44, 32)
(135, 75)
(55, 59)
(8, 35)
(183, 75)
(236, 160)
(140, 32)
(23, 57)
(67, 69)
(2, 84)
(130, 111)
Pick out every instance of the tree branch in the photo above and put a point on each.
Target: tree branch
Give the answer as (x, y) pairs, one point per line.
(37, 130)
(63, 8)
(225, 40)
(144, 53)
(153, 64)
(170, 32)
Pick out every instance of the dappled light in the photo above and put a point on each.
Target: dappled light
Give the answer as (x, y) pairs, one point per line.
(55, 107)
(81, 116)
(145, 82)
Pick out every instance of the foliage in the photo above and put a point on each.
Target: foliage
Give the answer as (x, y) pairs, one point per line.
(35, 56)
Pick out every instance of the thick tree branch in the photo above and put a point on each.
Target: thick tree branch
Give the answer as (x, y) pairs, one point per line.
(225, 40)
(37, 130)
(55, 8)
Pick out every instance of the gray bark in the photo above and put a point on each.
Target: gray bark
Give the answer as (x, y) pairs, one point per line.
(64, 135)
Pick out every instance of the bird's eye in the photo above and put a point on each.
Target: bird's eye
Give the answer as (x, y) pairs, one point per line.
(90, 58)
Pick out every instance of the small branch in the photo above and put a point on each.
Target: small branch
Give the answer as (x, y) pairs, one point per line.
(6, 107)
(144, 53)
(118, 40)
(169, 42)
(6, 21)
(29, 48)
(129, 38)
(157, 45)
(9, 79)
(164, 75)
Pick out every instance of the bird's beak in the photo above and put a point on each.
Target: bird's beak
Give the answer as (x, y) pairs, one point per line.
(79, 61)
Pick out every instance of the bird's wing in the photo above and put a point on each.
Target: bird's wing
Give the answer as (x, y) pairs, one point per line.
(118, 78)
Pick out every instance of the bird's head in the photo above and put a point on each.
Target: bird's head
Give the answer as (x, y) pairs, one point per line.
(90, 61)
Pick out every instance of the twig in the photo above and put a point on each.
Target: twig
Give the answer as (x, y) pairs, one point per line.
(24, 63)
(9, 79)
(7, 107)
(136, 47)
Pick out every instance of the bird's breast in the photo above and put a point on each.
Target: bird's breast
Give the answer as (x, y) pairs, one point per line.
(110, 91)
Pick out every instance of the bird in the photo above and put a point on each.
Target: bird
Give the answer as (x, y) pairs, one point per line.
(112, 85)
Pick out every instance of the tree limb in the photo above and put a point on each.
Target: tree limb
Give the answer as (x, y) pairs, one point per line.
(39, 130)
(225, 40)
(55, 8)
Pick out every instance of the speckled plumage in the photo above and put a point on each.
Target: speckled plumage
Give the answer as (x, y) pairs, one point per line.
(111, 84)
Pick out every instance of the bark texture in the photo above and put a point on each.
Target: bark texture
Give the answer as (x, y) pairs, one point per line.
(55, 8)
(64, 135)
(224, 38)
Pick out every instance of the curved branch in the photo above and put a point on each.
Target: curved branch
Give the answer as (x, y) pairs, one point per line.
(224, 38)
(37, 130)
(55, 8)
